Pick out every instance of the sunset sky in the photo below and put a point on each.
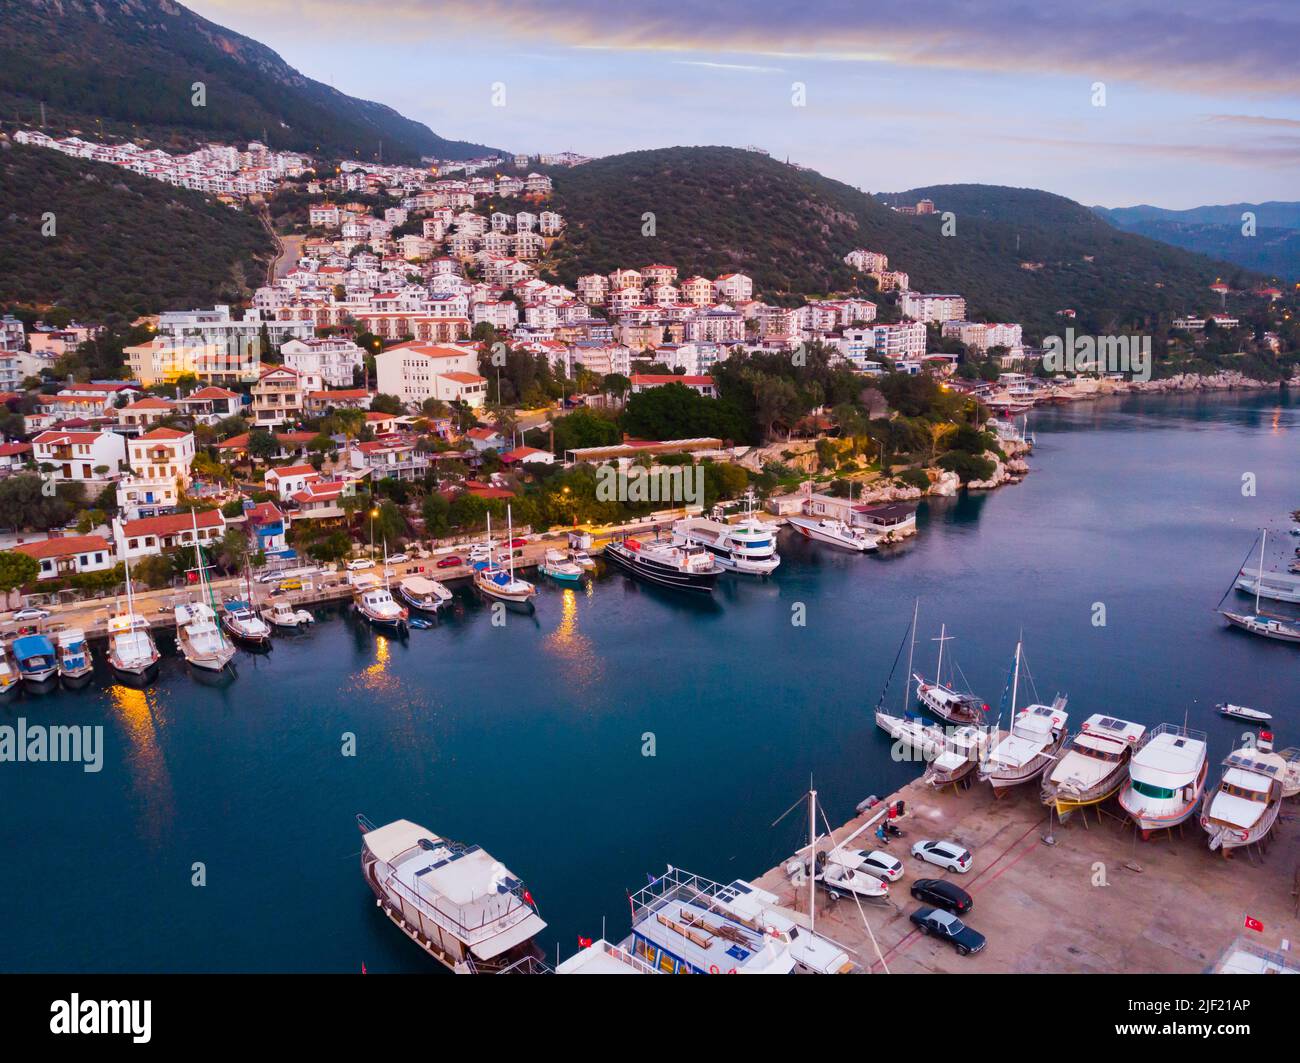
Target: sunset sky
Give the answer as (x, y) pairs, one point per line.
(1201, 106)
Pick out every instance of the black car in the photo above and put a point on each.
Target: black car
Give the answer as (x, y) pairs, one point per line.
(937, 923)
(942, 894)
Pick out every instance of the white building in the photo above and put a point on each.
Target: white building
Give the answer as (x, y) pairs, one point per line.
(418, 371)
(160, 463)
(92, 458)
(333, 360)
(922, 306)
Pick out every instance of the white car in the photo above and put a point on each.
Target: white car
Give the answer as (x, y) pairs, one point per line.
(31, 614)
(946, 854)
(396, 559)
(882, 865)
(480, 552)
(358, 563)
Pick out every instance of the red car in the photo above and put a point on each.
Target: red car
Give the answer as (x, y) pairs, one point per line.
(518, 542)
(450, 562)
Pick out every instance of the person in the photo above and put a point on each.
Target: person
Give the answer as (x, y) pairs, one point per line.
(882, 835)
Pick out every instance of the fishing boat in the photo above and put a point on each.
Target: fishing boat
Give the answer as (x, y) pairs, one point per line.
(965, 747)
(579, 547)
(285, 616)
(462, 907)
(1264, 624)
(1241, 712)
(1093, 765)
(1036, 736)
(1245, 805)
(200, 639)
(244, 626)
(37, 664)
(9, 681)
(834, 533)
(1166, 777)
(944, 700)
(502, 583)
(75, 665)
(132, 653)
(373, 600)
(748, 546)
(426, 595)
(558, 566)
(683, 568)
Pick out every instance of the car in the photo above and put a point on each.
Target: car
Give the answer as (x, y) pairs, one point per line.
(451, 561)
(358, 563)
(31, 613)
(480, 551)
(882, 865)
(946, 854)
(940, 893)
(935, 922)
(291, 584)
(517, 542)
(396, 559)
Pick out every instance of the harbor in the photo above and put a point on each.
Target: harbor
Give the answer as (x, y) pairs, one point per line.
(619, 728)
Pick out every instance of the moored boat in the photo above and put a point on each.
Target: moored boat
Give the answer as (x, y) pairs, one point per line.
(462, 907)
(282, 614)
(75, 665)
(37, 664)
(376, 604)
(1166, 777)
(748, 546)
(683, 568)
(426, 595)
(910, 731)
(1279, 586)
(244, 626)
(558, 566)
(834, 533)
(1093, 765)
(200, 639)
(502, 583)
(944, 700)
(9, 681)
(1241, 712)
(1263, 624)
(132, 654)
(1245, 805)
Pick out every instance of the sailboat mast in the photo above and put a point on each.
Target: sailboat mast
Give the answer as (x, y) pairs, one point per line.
(943, 637)
(812, 856)
(1260, 578)
(911, 652)
(510, 535)
(1015, 685)
(492, 563)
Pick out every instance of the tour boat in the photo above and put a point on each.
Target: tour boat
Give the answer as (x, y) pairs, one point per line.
(1241, 712)
(558, 566)
(502, 583)
(75, 665)
(373, 601)
(683, 568)
(37, 664)
(603, 957)
(748, 546)
(964, 749)
(762, 911)
(283, 615)
(944, 700)
(1166, 776)
(427, 595)
(1034, 740)
(245, 626)
(9, 681)
(1244, 807)
(132, 654)
(200, 639)
(833, 533)
(461, 906)
(1257, 623)
(1093, 765)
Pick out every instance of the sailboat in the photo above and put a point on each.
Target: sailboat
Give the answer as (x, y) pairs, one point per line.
(1034, 741)
(198, 635)
(944, 700)
(1264, 624)
(909, 729)
(501, 583)
(241, 623)
(132, 653)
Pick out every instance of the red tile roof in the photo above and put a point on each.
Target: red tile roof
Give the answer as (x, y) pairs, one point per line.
(63, 546)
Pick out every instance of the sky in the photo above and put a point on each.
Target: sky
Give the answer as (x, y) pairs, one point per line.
(1108, 102)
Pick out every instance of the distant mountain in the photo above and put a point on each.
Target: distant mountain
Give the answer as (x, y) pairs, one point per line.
(1274, 249)
(122, 245)
(1017, 254)
(127, 67)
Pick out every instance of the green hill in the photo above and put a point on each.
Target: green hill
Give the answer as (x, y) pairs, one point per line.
(130, 65)
(124, 245)
(1017, 254)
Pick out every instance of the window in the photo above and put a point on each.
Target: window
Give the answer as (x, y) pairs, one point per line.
(1147, 790)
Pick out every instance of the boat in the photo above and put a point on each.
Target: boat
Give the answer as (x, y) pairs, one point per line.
(1241, 712)
(132, 653)
(1093, 765)
(1166, 776)
(840, 876)
(427, 595)
(1245, 805)
(1278, 586)
(761, 910)
(945, 701)
(37, 664)
(683, 568)
(455, 901)
(1036, 736)
(1264, 624)
(579, 545)
(244, 626)
(603, 957)
(965, 747)
(75, 664)
(9, 681)
(200, 639)
(558, 566)
(834, 533)
(748, 546)
(913, 732)
(283, 615)
(373, 600)
(502, 583)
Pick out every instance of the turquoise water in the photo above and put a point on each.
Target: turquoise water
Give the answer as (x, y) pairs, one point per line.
(528, 738)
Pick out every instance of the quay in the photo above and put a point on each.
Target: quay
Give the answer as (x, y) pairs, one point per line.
(1098, 900)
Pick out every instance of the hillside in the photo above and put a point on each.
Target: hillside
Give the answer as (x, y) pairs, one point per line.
(131, 64)
(124, 245)
(719, 209)
(1274, 249)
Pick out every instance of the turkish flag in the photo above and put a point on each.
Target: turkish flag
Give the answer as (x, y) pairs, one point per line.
(584, 943)
(1254, 924)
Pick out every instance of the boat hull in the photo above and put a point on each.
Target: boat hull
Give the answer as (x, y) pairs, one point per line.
(134, 673)
(662, 576)
(1147, 821)
(810, 529)
(42, 681)
(1259, 626)
(421, 604)
(76, 680)
(1068, 800)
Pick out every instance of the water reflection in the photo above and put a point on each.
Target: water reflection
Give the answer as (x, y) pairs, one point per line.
(135, 708)
(582, 664)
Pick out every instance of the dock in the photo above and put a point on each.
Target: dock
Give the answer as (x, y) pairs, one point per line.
(1098, 899)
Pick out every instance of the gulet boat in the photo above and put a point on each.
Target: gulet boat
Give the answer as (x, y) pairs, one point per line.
(1245, 805)
(1093, 765)
(1037, 734)
(1166, 777)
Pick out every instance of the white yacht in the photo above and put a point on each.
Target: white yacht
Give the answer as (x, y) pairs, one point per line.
(834, 533)
(1166, 776)
(1245, 805)
(748, 546)
(373, 601)
(281, 613)
(199, 637)
(1093, 765)
(1279, 586)
(944, 700)
(455, 901)
(913, 732)
(426, 595)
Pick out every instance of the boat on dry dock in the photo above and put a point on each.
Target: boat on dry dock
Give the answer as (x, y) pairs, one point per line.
(1037, 734)
(1093, 765)
(1166, 777)
(461, 906)
(1245, 805)
(944, 699)
(962, 752)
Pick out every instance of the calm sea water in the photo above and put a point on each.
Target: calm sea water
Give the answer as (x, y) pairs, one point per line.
(528, 738)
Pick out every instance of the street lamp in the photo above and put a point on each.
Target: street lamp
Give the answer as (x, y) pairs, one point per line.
(373, 514)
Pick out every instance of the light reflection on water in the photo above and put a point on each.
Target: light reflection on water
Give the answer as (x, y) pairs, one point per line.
(136, 710)
(582, 665)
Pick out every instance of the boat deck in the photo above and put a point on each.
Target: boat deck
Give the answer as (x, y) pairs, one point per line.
(1169, 905)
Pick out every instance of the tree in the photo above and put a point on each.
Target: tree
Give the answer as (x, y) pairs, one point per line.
(17, 570)
(382, 403)
(262, 444)
(435, 510)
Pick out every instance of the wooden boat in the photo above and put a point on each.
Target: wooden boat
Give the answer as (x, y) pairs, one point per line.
(1166, 778)
(1093, 764)
(1245, 805)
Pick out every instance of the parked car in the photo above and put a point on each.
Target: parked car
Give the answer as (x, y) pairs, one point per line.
(480, 552)
(358, 563)
(292, 584)
(934, 922)
(31, 613)
(940, 893)
(946, 854)
(450, 561)
(396, 559)
(518, 542)
(882, 865)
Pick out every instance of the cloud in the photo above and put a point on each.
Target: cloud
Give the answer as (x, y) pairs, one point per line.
(730, 66)
(1253, 120)
(1272, 151)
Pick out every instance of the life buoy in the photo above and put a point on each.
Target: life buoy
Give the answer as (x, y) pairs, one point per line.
(713, 969)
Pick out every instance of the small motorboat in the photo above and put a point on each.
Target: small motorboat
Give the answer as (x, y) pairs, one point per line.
(839, 874)
(373, 601)
(245, 626)
(37, 663)
(75, 665)
(582, 559)
(558, 566)
(283, 615)
(1241, 712)
(426, 595)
